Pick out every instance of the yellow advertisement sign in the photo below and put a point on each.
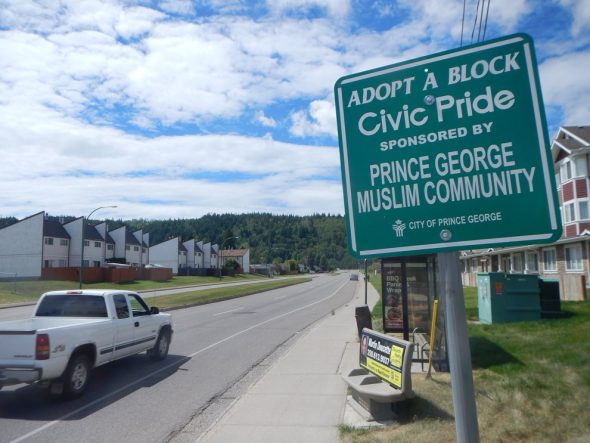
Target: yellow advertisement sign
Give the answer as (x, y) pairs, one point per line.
(383, 356)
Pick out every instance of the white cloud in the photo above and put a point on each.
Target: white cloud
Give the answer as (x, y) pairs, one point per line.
(85, 166)
(262, 119)
(581, 15)
(178, 6)
(564, 81)
(63, 64)
(334, 8)
(319, 120)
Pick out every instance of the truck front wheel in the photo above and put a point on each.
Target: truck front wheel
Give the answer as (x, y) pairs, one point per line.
(76, 376)
(160, 349)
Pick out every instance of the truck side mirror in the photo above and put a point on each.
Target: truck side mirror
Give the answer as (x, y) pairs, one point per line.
(154, 310)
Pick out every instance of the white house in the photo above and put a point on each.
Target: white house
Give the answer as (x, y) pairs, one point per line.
(109, 243)
(170, 254)
(207, 255)
(31, 244)
(194, 254)
(144, 239)
(94, 244)
(21, 247)
(126, 246)
(242, 256)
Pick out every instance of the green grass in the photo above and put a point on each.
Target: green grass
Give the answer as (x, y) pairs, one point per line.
(531, 379)
(216, 294)
(23, 291)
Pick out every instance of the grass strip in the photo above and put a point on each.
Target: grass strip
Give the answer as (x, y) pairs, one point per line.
(194, 298)
(25, 291)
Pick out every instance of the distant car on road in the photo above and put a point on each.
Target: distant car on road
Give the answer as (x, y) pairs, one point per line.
(354, 276)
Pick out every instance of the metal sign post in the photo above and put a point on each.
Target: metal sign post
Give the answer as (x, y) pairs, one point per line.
(451, 289)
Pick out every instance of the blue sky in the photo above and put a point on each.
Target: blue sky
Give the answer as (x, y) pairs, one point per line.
(176, 108)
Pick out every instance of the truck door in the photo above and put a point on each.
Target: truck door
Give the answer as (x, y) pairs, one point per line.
(146, 326)
(124, 327)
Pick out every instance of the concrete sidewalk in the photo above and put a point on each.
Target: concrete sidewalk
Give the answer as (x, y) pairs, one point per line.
(302, 397)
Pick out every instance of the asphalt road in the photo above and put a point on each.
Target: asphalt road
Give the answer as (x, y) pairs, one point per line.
(217, 350)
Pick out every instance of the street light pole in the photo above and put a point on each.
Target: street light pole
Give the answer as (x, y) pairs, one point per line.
(219, 253)
(82, 245)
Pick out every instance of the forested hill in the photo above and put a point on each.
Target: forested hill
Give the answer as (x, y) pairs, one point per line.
(317, 240)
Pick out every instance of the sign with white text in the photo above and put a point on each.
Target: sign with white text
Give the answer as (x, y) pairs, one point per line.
(447, 152)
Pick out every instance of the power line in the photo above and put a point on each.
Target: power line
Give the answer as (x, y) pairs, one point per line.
(463, 22)
(475, 21)
(486, 23)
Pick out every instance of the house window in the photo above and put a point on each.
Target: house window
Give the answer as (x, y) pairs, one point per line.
(86, 243)
(110, 247)
(517, 262)
(97, 244)
(532, 264)
(63, 242)
(583, 208)
(573, 258)
(96, 264)
(506, 266)
(565, 171)
(48, 241)
(550, 260)
(127, 248)
(569, 212)
(136, 248)
(47, 263)
(581, 166)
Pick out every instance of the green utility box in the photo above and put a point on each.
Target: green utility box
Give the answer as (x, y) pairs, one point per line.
(504, 298)
(550, 298)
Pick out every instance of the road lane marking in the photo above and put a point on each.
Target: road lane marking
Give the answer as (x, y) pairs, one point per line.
(227, 312)
(176, 363)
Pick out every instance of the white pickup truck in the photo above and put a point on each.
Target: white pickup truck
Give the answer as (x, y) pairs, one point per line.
(72, 332)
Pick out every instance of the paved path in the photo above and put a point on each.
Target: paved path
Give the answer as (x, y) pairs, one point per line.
(303, 396)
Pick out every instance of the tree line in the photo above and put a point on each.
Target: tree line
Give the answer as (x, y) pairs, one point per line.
(316, 241)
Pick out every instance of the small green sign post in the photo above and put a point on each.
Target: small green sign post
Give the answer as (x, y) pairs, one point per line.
(447, 152)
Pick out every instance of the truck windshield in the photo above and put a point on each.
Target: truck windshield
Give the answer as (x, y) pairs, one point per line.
(72, 306)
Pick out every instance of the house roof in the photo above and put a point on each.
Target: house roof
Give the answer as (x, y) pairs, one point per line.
(55, 229)
(570, 139)
(130, 239)
(234, 252)
(91, 233)
(197, 249)
(109, 239)
(582, 132)
(181, 247)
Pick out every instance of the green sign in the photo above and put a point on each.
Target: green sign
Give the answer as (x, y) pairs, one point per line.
(447, 152)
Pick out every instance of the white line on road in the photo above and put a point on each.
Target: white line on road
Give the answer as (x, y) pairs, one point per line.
(227, 312)
(206, 348)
